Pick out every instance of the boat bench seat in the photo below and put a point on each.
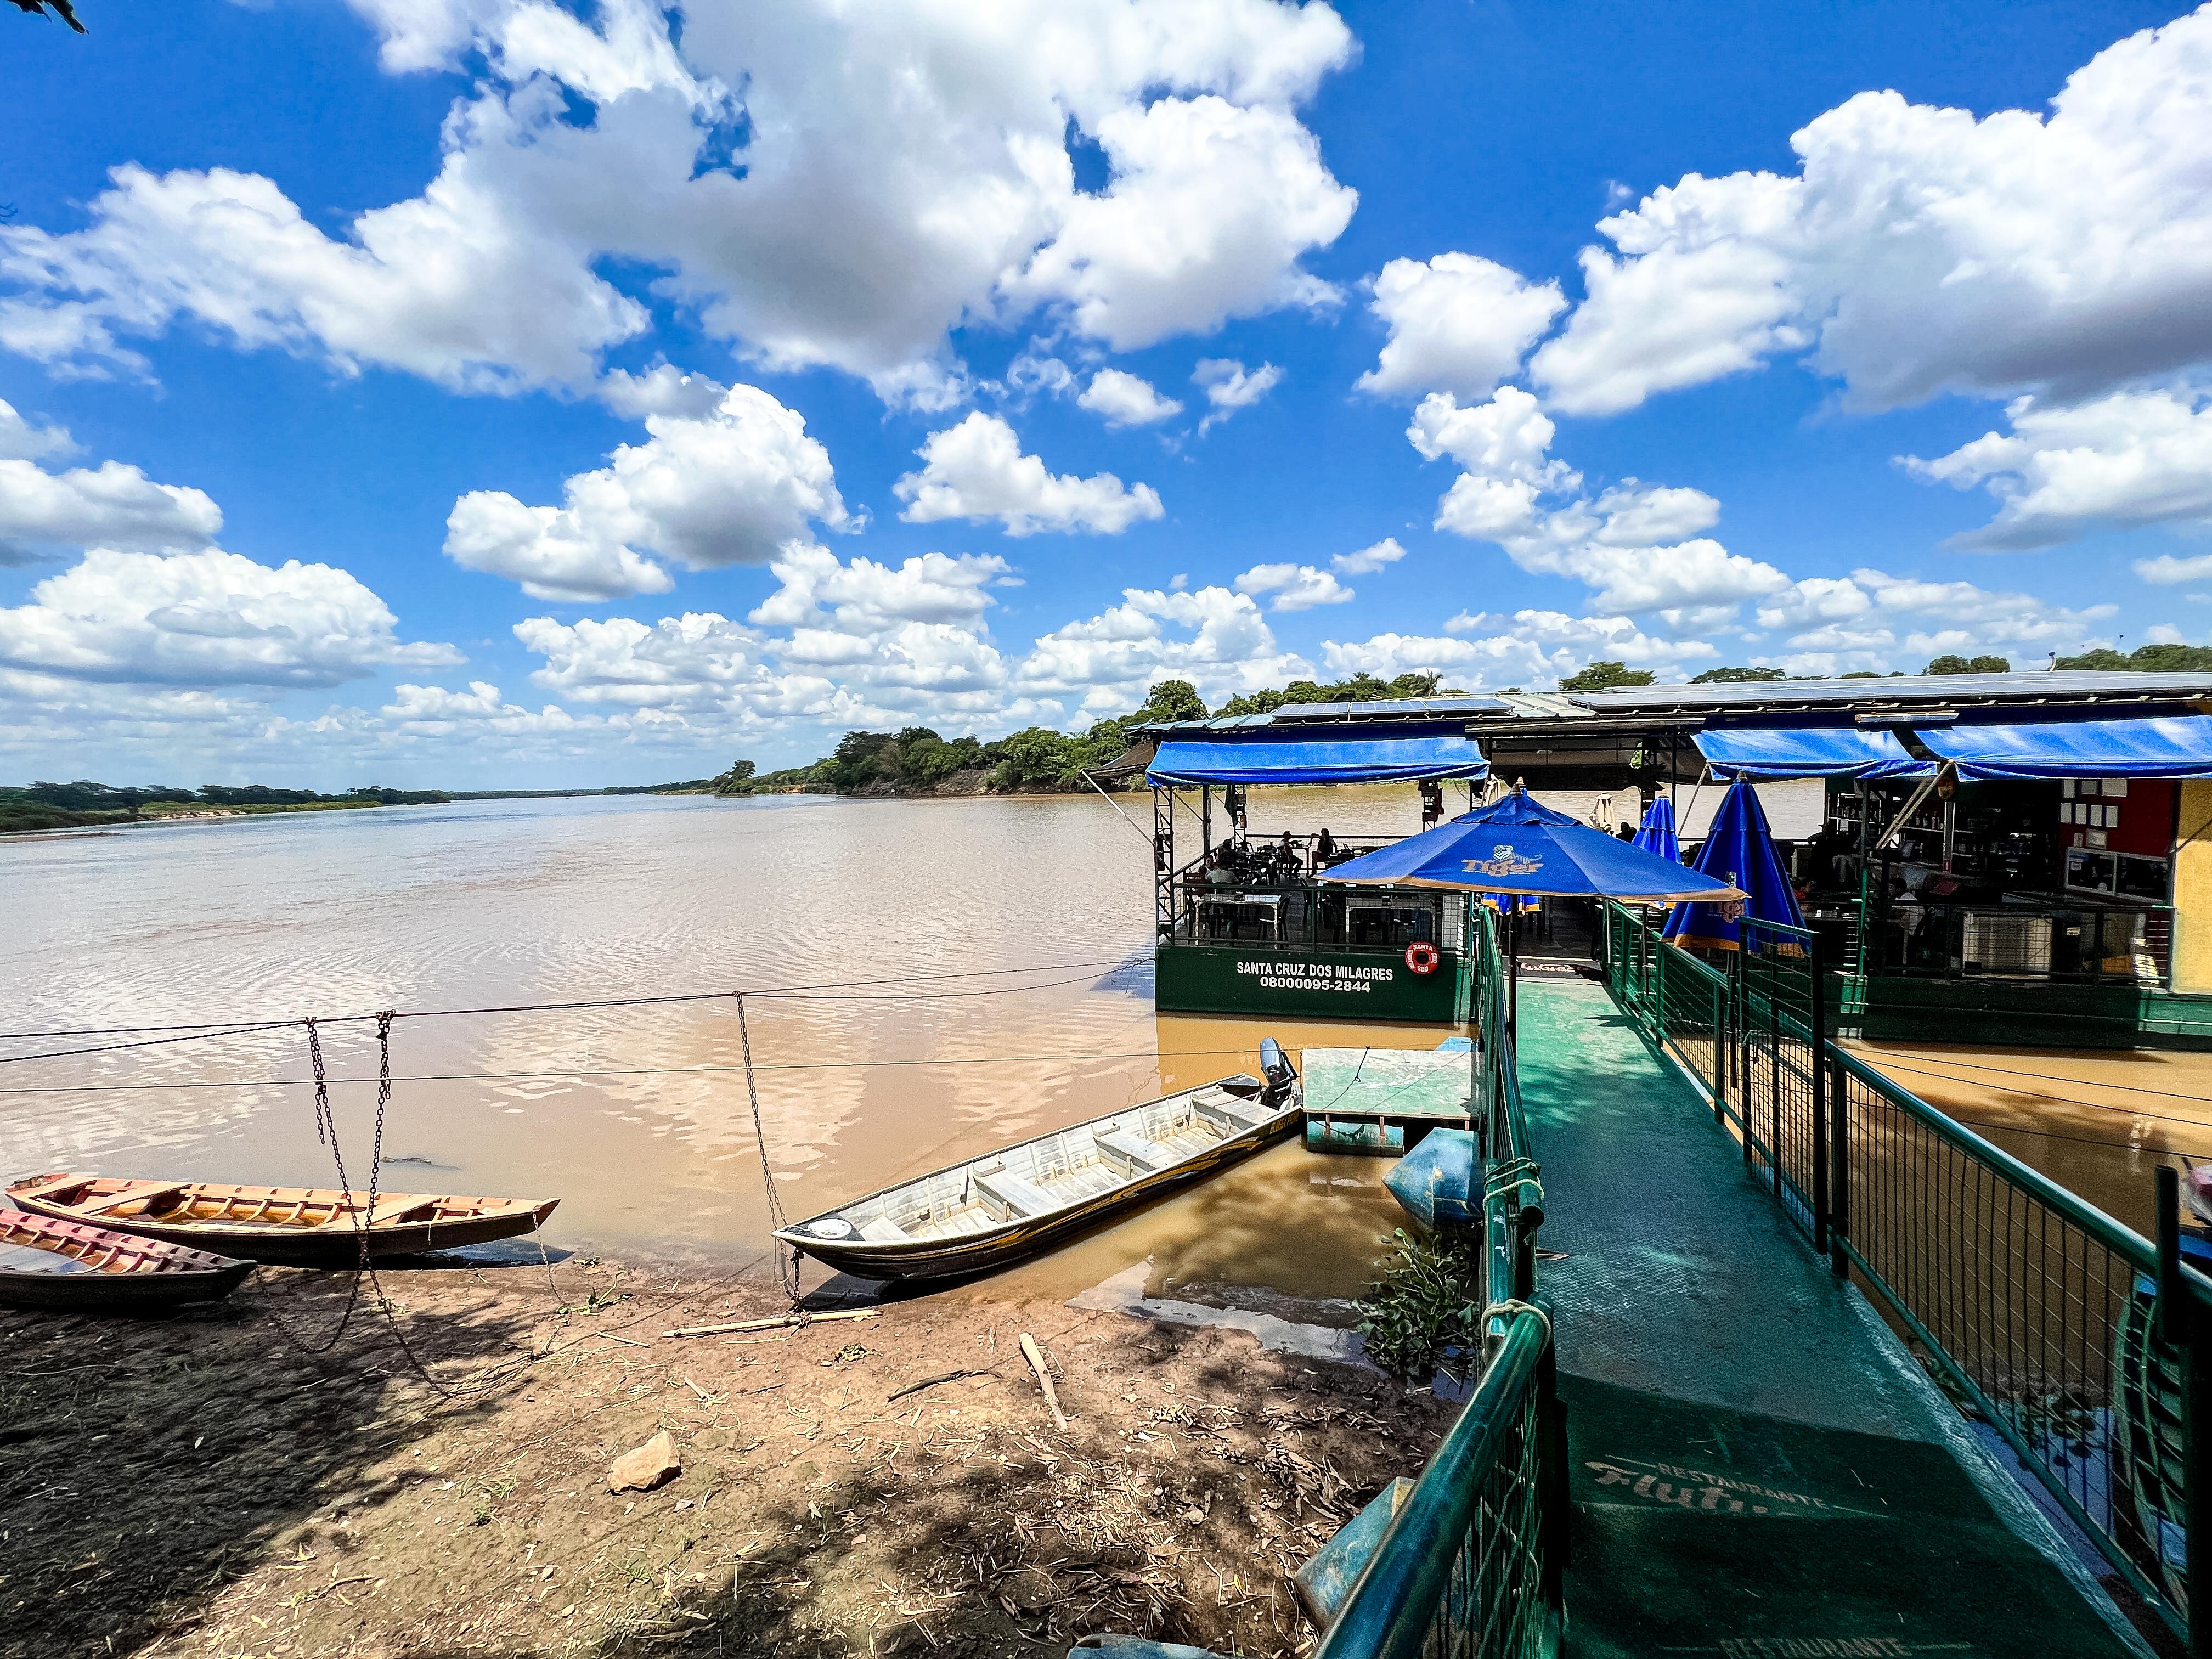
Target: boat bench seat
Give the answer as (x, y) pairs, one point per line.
(882, 1230)
(1145, 1157)
(1232, 1114)
(1018, 1198)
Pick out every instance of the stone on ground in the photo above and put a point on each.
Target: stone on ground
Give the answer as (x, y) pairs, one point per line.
(646, 1467)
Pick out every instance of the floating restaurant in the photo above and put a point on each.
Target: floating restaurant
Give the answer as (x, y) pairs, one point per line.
(2030, 852)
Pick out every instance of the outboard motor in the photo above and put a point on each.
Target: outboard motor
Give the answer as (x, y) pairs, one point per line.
(1276, 1067)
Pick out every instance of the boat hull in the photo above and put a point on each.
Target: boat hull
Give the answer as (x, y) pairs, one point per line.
(987, 1250)
(133, 1274)
(333, 1245)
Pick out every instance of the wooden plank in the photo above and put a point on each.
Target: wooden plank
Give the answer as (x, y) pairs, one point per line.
(45, 1188)
(387, 1209)
(132, 1194)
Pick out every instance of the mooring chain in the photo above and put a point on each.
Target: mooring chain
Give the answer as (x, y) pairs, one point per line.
(325, 1128)
(326, 1131)
(787, 1272)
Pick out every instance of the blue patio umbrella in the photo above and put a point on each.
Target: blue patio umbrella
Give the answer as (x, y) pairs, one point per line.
(1740, 849)
(1517, 805)
(1515, 846)
(1657, 837)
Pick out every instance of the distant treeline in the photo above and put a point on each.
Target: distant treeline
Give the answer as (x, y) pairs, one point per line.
(918, 760)
(71, 806)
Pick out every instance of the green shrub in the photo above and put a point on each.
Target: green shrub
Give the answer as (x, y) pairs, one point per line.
(1425, 1315)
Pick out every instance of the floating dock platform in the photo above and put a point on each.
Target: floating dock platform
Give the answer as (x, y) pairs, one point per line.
(1384, 1101)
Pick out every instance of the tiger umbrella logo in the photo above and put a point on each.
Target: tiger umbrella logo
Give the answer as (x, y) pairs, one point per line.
(1503, 860)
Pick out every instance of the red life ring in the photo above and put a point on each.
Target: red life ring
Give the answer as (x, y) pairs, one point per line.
(1422, 956)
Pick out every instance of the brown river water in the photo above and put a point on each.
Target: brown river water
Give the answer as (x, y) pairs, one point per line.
(981, 973)
(984, 968)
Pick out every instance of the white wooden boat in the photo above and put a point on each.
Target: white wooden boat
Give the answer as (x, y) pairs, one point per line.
(991, 1211)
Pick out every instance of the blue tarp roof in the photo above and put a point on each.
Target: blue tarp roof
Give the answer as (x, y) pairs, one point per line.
(2179, 747)
(1317, 760)
(1807, 753)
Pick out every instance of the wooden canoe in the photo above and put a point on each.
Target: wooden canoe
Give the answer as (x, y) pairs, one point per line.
(72, 1267)
(991, 1211)
(295, 1226)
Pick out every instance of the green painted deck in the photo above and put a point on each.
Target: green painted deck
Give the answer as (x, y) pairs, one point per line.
(1367, 1100)
(1759, 1469)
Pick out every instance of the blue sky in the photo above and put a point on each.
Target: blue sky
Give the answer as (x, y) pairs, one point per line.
(475, 391)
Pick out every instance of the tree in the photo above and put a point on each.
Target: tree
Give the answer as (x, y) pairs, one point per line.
(1171, 699)
(737, 780)
(2144, 659)
(62, 8)
(1736, 676)
(1603, 676)
(1951, 664)
(1360, 688)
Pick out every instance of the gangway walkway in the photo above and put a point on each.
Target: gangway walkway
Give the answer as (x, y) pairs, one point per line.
(1757, 1469)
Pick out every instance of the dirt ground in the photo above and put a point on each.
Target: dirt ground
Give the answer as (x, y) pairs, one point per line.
(200, 1486)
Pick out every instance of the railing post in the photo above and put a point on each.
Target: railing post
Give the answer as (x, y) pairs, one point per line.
(1552, 1422)
(1839, 1160)
(2181, 1324)
(1773, 1074)
(1720, 1051)
(1817, 1076)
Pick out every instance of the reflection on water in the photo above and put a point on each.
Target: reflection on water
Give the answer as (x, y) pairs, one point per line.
(2099, 1123)
(979, 940)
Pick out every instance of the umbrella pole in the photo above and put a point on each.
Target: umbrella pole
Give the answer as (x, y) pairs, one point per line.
(1513, 972)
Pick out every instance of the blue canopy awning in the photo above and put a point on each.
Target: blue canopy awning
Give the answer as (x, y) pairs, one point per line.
(1317, 760)
(2177, 747)
(1818, 751)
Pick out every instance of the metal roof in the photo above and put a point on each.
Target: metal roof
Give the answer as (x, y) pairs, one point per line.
(1561, 714)
(1401, 708)
(1409, 711)
(2060, 687)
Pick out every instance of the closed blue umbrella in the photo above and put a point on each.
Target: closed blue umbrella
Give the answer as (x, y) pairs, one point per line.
(1740, 850)
(1657, 837)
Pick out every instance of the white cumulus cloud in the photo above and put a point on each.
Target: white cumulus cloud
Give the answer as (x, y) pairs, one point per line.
(825, 187)
(111, 504)
(1216, 639)
(21, 442)
(2134, 457)
(1292, 586)
(1125, 399)
(1229, 386)
(977, 471)
(726, 488)
(1920, 250)
(1636, 545)
(1368, 560)
(1458, 323)
(205, 619)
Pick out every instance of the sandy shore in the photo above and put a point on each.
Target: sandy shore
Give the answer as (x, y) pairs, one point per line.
(201, 1486)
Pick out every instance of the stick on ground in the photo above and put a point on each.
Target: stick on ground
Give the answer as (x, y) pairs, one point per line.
(1035, 1355)
(791, 1320)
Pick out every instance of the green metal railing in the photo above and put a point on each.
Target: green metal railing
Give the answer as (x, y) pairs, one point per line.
(1474, 1561)
(2082, 1344)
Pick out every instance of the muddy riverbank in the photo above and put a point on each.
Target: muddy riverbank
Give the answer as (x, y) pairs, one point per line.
(203, 1486)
